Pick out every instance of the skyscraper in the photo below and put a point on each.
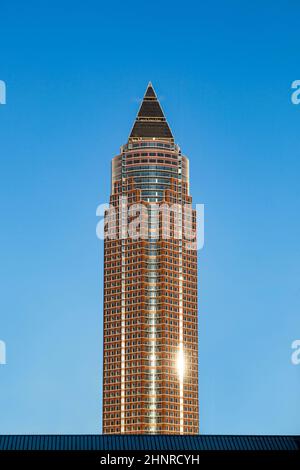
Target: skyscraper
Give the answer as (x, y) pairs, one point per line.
(150, 360)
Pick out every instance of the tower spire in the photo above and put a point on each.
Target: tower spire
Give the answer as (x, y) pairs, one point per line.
(150, 121)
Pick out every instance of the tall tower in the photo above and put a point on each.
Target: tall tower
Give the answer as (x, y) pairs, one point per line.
(150, 360)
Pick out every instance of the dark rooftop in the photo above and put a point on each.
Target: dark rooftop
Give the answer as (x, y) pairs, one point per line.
(147, 442)
(150, 121)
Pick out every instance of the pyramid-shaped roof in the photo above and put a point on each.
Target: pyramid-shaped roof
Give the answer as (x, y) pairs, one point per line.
(150, 121)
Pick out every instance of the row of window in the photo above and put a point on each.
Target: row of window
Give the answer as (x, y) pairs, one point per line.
(152, 143)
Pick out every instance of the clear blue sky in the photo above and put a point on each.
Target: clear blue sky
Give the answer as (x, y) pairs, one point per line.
(75, 72)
